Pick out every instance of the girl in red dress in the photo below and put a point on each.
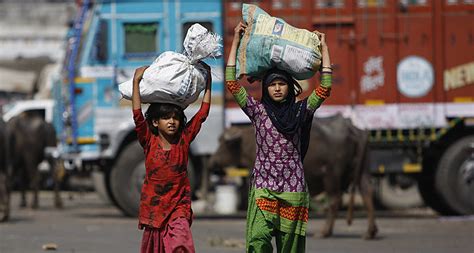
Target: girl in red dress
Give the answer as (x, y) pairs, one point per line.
(165, 204)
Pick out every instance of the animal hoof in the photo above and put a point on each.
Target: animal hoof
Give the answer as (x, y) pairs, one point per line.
(4, 217)
(326, 234)
(371, 233)
(59, 205)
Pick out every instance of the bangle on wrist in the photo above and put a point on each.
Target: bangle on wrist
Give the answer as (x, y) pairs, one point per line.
(324, 67)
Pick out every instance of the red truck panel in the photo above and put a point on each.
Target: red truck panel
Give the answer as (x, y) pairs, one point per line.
(376, 54)
(406, 60)
(458, 56)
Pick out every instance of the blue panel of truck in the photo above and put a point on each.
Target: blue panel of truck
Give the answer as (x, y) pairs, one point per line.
(104, 60)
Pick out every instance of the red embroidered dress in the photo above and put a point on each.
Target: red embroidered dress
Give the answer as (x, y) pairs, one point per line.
(166, 191)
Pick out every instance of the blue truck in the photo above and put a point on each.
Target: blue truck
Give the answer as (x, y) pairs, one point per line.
(106, 42)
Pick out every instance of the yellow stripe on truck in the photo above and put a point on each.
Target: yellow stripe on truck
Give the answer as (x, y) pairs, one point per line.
(84, 80)
(237, 172)
(411, 168)
(83, 140)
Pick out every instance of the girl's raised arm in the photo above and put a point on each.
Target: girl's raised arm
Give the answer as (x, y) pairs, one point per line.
(233, 86)
(140, 124)
(194, 125)
(326, 61)
(322, 91)
(238, 30)
(136, 100)
(207, 93)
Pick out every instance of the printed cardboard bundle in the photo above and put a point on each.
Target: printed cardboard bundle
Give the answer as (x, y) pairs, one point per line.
(270, 42)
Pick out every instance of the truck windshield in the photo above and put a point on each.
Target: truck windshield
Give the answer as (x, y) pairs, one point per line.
(140, 39)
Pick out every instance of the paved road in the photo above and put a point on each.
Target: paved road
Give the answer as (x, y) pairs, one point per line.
(88, 225)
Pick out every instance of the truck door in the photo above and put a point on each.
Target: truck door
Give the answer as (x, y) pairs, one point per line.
(337, 20)
(455, 31)
(415, 72)
(84, 105)
(375, 60)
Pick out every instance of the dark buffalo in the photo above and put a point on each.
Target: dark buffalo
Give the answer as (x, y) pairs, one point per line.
(4, 194)
(29, 135)
(335, 162)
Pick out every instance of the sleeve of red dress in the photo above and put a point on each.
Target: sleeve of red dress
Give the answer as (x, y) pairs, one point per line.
(193, 126)
(141, 127)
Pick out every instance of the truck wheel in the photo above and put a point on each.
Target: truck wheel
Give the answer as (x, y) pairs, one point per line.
(100, 186)
(398, 192)
(429, 194)
(455, 176)
(127, 177)
(426, 183)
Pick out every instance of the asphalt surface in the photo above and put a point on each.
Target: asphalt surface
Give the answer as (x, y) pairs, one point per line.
(86, 224)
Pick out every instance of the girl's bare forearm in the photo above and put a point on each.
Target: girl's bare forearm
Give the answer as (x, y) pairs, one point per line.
(136, 100)
(326, 60)
(233, 53)
(207, 93)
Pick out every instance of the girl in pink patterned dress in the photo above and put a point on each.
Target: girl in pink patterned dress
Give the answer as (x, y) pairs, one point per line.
(278, 200)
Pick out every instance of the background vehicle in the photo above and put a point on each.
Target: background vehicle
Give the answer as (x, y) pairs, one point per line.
(107, 41)
(403, 70)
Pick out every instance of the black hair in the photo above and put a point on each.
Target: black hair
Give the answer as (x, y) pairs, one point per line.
(158, 111)
(294, 88)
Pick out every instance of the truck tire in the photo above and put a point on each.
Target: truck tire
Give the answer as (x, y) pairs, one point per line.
(100, 186)
(451, 176)
(126, 178)
(392, 195)
(429, 193)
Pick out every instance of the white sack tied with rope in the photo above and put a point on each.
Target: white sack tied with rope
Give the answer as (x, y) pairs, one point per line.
(178, 78)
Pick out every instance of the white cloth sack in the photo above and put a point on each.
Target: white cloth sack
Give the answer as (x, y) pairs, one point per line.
(178, 78)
